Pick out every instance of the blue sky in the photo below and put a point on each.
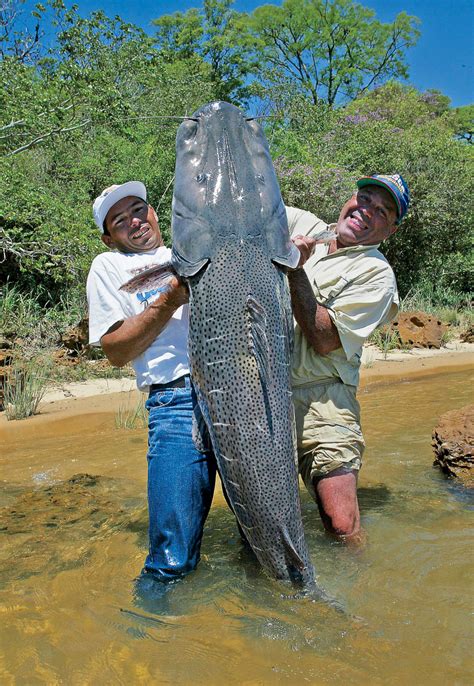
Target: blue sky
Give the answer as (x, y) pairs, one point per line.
(443, 57)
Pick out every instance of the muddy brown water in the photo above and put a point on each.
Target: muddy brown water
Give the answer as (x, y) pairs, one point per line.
(71, 548)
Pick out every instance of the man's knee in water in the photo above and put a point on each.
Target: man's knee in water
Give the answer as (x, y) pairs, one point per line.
(336, 495)
(341, 523)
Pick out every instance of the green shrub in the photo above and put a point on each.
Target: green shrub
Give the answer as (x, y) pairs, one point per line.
(34, 324)
(392, 129)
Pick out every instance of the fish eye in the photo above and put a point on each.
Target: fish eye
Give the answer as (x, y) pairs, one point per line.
(200, 178)
(188, 128)
(253, 125)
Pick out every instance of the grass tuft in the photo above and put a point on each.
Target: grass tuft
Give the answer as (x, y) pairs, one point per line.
(24, 388)
(386, 339)
(128, 417)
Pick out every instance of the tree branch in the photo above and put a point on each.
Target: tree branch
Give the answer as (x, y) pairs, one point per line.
(42, 137)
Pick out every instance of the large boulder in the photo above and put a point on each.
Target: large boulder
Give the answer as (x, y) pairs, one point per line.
(453, 443)
(419, 330)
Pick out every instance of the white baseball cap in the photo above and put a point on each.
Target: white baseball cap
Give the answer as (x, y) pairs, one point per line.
(113, 194)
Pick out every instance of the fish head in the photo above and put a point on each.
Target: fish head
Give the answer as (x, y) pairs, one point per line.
(225, 187)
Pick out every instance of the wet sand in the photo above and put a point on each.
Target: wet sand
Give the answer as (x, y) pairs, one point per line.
(416, 363)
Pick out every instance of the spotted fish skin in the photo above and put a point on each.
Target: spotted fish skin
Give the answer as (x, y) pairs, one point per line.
(231, 244)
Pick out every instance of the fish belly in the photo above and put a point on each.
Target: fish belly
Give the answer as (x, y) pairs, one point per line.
(240, 341)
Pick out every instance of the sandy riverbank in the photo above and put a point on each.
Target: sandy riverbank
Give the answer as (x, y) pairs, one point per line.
(108, 395)
(400, 365)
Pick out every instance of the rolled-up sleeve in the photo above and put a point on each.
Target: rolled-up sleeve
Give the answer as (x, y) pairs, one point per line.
(359, 290)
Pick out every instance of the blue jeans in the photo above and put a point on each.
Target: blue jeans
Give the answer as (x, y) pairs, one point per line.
(180, 483)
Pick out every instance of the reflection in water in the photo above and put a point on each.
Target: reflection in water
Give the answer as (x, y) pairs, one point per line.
(374, 497)
(72, 549)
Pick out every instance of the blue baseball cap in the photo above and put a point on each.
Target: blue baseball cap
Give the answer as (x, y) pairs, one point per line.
(396, 186)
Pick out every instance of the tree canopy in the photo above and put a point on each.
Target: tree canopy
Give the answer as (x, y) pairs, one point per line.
(212, 33)
(330, 52)
(101, 104)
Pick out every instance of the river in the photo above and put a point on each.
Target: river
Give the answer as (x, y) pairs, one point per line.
(71, 551)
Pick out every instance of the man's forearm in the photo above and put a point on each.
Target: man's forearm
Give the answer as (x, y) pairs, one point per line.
(313, 319)
(129, 338)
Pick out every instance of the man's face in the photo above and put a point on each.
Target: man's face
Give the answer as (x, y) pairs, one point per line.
(133, 226)
(368, 218)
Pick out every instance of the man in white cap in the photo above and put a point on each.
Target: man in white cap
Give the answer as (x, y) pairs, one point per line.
(345, 291)
(149, 329)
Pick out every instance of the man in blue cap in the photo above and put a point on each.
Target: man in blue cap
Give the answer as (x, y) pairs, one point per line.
(345, 290)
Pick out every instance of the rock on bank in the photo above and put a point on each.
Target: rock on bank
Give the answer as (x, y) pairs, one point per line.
(453, 443)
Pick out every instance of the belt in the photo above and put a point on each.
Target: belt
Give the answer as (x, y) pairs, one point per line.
(180, 382)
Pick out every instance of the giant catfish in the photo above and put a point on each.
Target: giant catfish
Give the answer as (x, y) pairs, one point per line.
(232, 246)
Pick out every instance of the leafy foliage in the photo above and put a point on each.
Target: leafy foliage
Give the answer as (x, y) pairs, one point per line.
(392, 129)
(98, 107)
(465, 123)
(214, 34)
(329, 51)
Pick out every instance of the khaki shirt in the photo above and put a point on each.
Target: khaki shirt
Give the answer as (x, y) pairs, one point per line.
(358, 288)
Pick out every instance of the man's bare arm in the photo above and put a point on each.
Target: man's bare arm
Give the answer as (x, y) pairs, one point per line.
(129, 338)
(313, 319)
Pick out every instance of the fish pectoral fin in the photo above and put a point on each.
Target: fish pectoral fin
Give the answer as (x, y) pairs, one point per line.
(157, 276)
(186, 267)
(290, 258)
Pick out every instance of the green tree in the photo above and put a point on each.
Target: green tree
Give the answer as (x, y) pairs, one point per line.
(329, 50)
(391, 129)
(19, 38)
(213, 34)
(85, 77)
(465, 123)
(99, 108)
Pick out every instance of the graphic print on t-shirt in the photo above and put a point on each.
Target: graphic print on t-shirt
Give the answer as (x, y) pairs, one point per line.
(144, 297)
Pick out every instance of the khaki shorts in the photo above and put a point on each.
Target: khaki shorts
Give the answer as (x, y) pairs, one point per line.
(327, 429)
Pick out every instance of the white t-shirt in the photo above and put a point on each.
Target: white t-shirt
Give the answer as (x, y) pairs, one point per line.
(167, 357)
